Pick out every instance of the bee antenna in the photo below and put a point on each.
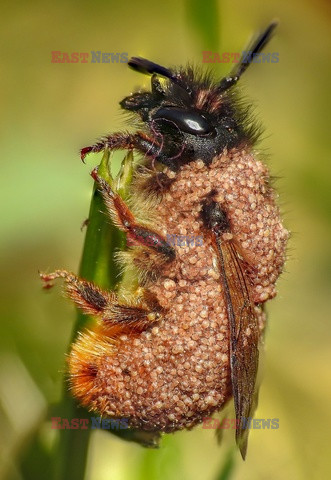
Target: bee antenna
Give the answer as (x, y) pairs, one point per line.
(255, 47)
(147, 67)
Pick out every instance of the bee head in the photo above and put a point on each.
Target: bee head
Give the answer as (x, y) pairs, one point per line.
(190, 115)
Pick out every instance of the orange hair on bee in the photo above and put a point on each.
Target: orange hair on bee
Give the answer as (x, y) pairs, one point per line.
(83, 364)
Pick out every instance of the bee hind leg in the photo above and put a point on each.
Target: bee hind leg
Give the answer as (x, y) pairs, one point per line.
(87, 296)
(139, 313)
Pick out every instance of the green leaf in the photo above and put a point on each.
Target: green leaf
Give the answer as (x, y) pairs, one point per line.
(97, 264)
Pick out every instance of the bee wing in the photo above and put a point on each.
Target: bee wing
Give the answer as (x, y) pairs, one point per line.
(244, 336)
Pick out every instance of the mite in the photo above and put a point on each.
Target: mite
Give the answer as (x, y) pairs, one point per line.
(176, 349)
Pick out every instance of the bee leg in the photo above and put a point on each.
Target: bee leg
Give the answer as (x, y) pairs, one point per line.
(125, 141)
(124, 219)
(138, 316)
(140, 313)
(87, 296)
(113, 142)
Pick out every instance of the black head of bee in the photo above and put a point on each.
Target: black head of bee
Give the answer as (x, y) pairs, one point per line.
(190, 116)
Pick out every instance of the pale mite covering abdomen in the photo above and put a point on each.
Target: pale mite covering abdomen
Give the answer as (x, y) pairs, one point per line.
(178, 372)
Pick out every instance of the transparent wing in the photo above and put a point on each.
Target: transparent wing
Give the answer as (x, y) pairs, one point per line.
(244, 336)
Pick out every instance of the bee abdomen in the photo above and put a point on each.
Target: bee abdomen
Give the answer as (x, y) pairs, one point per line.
(176, 372)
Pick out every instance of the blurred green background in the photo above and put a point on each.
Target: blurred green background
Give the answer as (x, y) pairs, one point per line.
(50, 110)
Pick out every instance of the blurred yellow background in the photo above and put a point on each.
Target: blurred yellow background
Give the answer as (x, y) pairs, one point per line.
(50, 110)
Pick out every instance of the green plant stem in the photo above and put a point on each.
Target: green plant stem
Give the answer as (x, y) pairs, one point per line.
(97, 265)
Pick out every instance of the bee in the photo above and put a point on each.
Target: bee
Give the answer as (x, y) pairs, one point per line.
(176, 349)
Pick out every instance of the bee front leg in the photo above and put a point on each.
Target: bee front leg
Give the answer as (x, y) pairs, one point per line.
(117, 141)
(139, 313)
(113, 142)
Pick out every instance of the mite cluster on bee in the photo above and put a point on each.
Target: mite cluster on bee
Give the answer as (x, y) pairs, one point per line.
(187, 340)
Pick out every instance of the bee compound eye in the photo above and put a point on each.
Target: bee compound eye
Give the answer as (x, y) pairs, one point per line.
(188, 121)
